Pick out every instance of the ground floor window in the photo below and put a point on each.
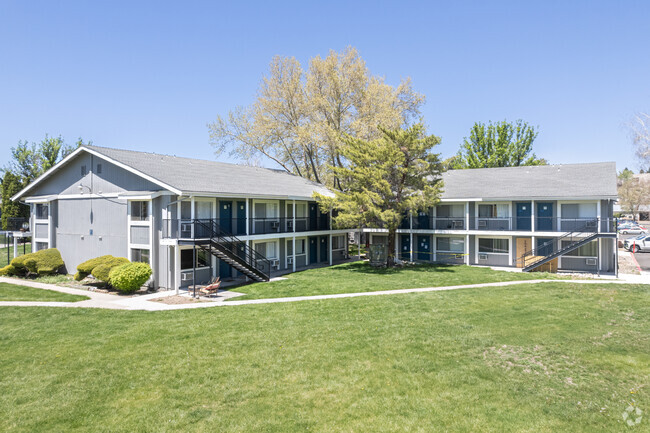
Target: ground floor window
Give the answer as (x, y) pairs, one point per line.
(497, 246)
(41, 246)
(338, 242)
(300, 247)
(267, 249)
(589, 250)
(454, 245)
(187, 259)
(140, 255)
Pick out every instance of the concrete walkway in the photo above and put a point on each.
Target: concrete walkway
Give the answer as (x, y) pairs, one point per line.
(103, 300)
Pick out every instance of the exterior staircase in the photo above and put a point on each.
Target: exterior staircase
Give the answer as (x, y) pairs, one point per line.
(553, 249)
(227, 247)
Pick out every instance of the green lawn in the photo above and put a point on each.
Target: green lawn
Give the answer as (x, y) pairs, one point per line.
(3, 253)
(558, 357)
(361, 277)
(14, 292)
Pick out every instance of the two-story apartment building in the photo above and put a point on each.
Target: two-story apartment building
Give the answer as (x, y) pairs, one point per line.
(560, 216)
(189, 219)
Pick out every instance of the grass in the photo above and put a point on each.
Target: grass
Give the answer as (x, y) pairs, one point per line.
(14, 292)
(542, 358)
(3, 253)
(361, 277)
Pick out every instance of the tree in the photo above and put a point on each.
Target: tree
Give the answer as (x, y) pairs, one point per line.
(633, 192)
(28, 162)
(624, 175)
(300, 118)
(502, 144)
(11, 185)
(640, 133)
(385, 178)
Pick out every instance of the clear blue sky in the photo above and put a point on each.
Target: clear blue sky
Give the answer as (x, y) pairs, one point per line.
(150, 75)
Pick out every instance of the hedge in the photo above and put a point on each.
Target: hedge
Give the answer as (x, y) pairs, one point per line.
(130, 277)
(99, 267)
(43, 262)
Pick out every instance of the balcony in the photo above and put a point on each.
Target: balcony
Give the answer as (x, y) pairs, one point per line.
(542, 224)
(191, 229)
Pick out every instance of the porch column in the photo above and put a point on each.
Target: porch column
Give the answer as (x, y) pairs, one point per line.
(467, 215)
(598, 219)
(467, 247)
(293, 261)
(177, 266)
(532, 215)
(16, 246)
(294, 230)
(411, 236)
(330, 248)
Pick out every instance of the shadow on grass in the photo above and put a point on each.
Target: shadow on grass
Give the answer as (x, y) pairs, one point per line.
(365, 268)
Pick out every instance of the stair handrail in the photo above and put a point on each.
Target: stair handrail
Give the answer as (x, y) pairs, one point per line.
(219, 235)
(589, 223)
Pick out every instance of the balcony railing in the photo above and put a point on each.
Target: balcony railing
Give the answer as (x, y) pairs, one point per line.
(542, 224)
(187, 229)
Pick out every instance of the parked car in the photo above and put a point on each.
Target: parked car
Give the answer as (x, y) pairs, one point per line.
(637, 244)
(631, 228)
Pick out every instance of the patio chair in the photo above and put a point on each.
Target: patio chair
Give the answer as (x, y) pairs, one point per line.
(212, 287)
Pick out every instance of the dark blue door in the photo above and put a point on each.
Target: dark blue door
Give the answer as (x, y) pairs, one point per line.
(405, 247)
(225, 215)
(313, 213)
(544, 246)
(424, 249)
(323, 249)
(544, 216)
(225, 271)
(423, 221)
(523, 216)
(241, 218)
(313, 250)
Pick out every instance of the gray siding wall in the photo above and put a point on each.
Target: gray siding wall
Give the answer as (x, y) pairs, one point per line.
(577, 264)
(112, 179)
(106, 218)
(41, 230)
(495, 260)
(472, 250)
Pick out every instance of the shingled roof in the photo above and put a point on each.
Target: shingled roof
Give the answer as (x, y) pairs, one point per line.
(570, 181)
(202, 176)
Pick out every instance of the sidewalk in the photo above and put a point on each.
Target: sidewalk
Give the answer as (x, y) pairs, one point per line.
(144, 303)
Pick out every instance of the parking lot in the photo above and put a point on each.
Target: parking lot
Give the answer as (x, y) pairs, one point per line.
(642, 257)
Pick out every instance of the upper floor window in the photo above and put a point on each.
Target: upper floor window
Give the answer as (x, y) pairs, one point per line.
(42, 211)
(139, 211)
(84, 171)
(99, 169)
(493, 211)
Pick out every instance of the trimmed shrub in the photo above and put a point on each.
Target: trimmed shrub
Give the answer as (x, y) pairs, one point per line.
(42, 262)
(8, 271)
(130, 277)
(99, 267)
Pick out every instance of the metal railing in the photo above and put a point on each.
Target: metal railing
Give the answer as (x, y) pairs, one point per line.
(581, 234)
(184, 228)
(228, 244)
(537, 224)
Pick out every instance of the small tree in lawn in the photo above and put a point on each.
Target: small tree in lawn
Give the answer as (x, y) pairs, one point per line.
(386, 178)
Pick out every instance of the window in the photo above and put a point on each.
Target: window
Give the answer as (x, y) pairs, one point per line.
(186, 210)
(495, 246)
(455, 245)
(493, 211)
(450, 211)
(338, 242)
(266, 249)
(139, 211)
(187, 259)
(42, 211)
(300, 246)
(99, 168)
(579, 210)
(140, 255)
(589, 250)
(41, 246)
(83, 170)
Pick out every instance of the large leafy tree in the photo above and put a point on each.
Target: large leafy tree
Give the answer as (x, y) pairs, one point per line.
(633, 192)
(385, 179)
(300, 117)
(501, 144)
(29, 160)
(640, 132)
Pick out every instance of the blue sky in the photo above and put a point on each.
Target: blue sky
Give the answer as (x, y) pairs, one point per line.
(150, 75)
